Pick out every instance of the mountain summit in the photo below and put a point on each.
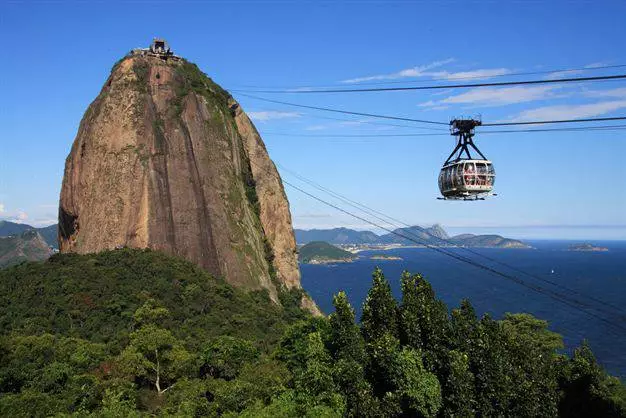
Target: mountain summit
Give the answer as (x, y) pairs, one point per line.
(166, 159)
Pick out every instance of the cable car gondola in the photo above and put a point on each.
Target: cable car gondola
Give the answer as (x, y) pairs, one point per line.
(462, 176)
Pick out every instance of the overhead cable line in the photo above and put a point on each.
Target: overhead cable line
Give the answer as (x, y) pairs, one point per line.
(379, 116)
(608, 128)
(346, 120)
(541, 122)
(452, 78)
(373, 212)
(546, 292)
(446, 86)
(345, 112)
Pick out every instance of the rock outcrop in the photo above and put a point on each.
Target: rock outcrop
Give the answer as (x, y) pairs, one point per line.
(166, 159)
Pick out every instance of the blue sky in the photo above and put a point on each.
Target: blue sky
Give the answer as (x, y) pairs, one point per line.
(57, 55)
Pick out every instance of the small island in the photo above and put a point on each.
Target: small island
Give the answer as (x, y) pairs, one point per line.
(586, 247)
(385, 257)
(320, 252)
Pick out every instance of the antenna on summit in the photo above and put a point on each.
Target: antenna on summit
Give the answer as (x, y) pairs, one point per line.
(158, 48)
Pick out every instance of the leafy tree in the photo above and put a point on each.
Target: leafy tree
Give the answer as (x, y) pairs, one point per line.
(465, 328)
(153, 352)
(587, 390)
(416, 388)
(491, 366)
(225, 356)
(314, 383)
(425, 324)
(119, 400)
(347, 348)
(293, 344)
(457, 385)
(287, 405)
(379, 310)
(531, 351)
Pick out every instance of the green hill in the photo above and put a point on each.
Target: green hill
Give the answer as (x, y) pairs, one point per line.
(94, 297)
(323, 252)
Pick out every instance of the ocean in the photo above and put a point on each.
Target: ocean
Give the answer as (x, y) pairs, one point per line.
(598, 275)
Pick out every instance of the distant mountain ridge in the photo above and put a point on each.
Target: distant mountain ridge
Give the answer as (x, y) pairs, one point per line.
(27, 246)
(48, 233)
(434, 235)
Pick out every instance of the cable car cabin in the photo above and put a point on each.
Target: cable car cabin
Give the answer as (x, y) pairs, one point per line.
(462, 176)
(467, 179)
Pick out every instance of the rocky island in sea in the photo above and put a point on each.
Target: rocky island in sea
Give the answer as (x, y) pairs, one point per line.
(586, 247)
(385, 257)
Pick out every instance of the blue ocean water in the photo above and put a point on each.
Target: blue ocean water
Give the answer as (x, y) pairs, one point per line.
(598, 275)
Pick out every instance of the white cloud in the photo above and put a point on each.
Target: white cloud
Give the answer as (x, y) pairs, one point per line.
(264, 116)
(475, 74)
(570, 111)
(619, 93)
(563, 74)
(2, 208)
(39, 223)
(419, 71)
(19, 217)
(596, 65)
(494, 96)
(316, 128)
(423, 71)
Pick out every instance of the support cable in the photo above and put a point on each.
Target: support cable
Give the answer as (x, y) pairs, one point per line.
(546, 292)
(443, 86)
(375, 213)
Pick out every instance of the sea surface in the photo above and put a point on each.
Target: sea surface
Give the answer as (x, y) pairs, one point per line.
(599, 276)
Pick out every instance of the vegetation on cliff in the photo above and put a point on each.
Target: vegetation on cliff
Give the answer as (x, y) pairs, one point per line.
(132, 332)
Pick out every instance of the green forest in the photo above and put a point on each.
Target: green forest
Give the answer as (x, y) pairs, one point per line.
(130, 333)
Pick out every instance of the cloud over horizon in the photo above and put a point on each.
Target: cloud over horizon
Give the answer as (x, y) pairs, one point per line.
(266, 115)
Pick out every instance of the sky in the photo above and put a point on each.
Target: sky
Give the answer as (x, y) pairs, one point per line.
(561, 185)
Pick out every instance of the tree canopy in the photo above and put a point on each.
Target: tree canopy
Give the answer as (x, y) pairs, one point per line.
(131, 333)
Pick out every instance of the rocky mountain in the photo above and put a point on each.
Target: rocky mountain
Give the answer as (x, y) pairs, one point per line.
(434, 235)
(27, 246)
(12, 228)
(487, 241)
(165, 158)
(48, 233)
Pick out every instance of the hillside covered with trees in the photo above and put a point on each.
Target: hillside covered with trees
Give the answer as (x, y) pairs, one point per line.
(135, 332)
(323, 252)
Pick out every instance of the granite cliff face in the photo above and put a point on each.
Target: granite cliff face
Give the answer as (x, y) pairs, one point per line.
(166, 159)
